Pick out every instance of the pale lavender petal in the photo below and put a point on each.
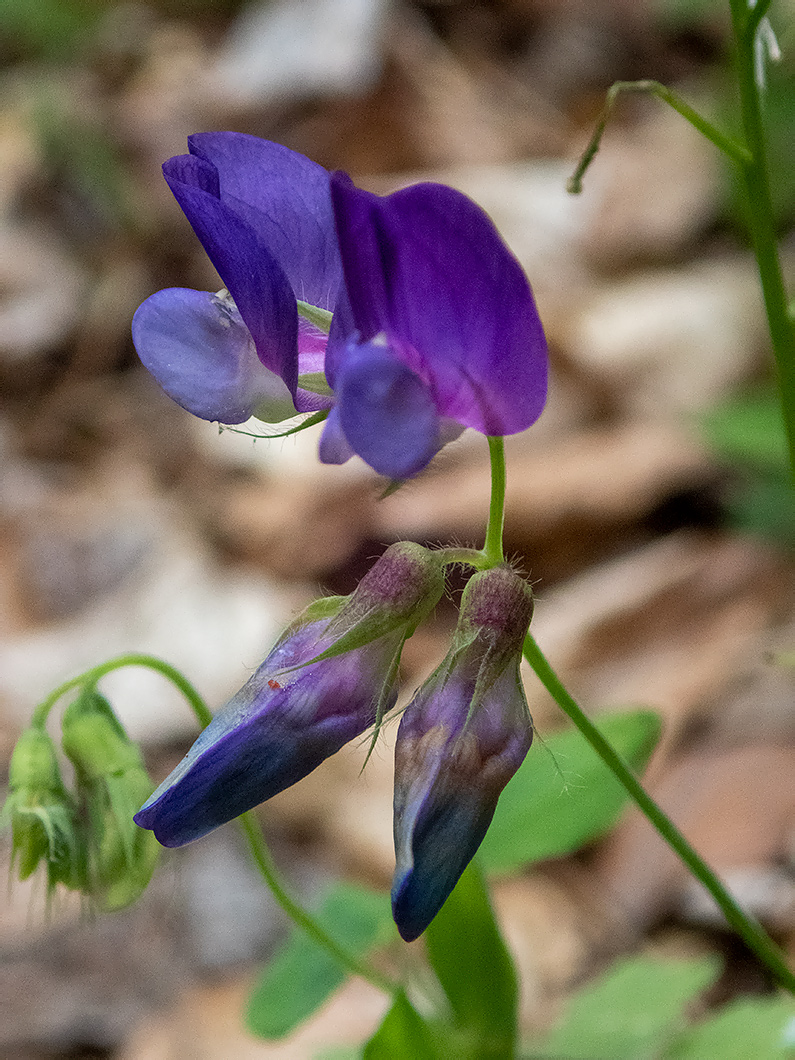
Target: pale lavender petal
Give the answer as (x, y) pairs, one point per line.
(201, 353)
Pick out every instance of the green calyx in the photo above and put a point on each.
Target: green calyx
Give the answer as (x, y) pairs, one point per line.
(397, 593)
(496, 609)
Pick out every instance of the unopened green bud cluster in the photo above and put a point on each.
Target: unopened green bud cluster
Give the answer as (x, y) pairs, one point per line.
(84, 837)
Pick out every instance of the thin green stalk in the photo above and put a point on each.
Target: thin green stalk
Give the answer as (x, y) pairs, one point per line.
(267, 869)
(761, 219)
(748, 928)
(151, 662)
(492, 548)
(467, 557)
(248, 823)
(736, 152)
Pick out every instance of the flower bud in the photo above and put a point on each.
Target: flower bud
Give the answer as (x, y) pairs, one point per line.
(330, 677)
(111, 782)
(42, 815)
(460, 741)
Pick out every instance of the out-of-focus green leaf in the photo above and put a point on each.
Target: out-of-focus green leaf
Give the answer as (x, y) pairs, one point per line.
(302, 974)
(632, 1012)
(563, 795)
(749, 430)
(762, 1029)
(473, 965)
(403, 1034)
(49, 29)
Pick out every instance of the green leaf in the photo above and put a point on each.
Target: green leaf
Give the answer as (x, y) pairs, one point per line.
(302, 975)
(749, 430)
(473, 965)
(763, 1029)
(563, 795)
(404, 1033)
(632, 1011)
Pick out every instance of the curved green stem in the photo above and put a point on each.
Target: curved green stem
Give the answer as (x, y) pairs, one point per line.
(267, 869)
(736, 152)
(248, 823)
(492, 548)
(747, 927)
(93, 675)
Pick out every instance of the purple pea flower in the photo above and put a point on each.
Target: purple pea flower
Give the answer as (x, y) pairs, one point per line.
(263, 213)
(460, 741)
(330, 677)
(434, 325)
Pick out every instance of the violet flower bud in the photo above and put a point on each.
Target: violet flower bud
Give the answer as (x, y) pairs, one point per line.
(460, 741)
(330, 677)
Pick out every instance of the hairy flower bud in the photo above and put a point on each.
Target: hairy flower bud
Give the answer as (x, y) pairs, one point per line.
(42, 814)
(460, 741)
(329, 678)
(111, 782)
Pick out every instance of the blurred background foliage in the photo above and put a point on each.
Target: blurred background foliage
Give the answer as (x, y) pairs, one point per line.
(650, 507)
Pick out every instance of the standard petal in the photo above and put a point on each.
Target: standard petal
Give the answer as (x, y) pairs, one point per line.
(285, 197)
(252, 275)
(426, 267)
(201, 353)
(386, 412)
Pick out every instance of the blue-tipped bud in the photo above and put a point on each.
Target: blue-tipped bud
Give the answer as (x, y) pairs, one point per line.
(43, 817)
(328, 679)
(460, 741)
(111, 782)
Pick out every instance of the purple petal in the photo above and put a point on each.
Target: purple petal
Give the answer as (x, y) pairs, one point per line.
(386, 412)
(201, 353)
(256, 281)
(427, 268)
(285, 197)
(449, 773)
(277, 729)
(334, 447)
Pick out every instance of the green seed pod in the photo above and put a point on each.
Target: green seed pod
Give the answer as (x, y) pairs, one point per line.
(111, 785)
(42, 814)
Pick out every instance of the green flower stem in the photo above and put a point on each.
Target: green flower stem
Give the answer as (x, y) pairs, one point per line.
(467, 557)
(264, 862)
(736, 152)
(491, 555)
(151, 662)
(748, 928)
(492, 548)
(761, 219)
(248, 822)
